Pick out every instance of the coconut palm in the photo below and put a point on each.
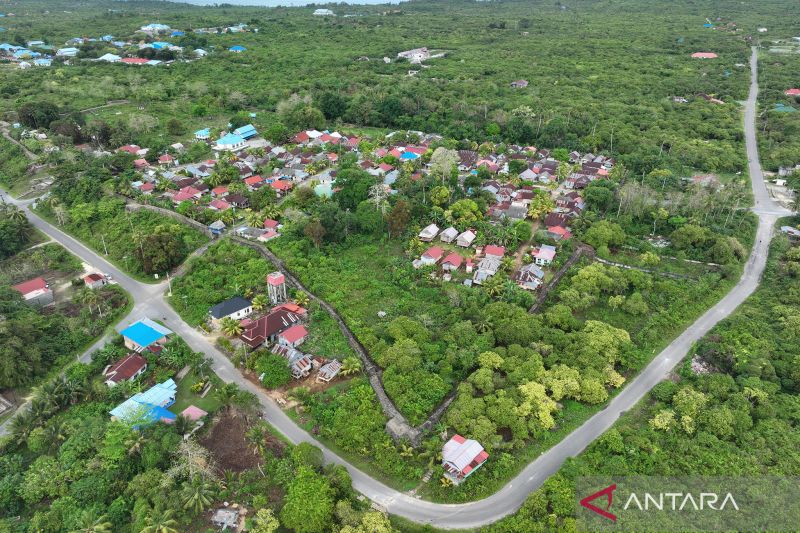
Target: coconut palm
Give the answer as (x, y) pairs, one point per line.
(54, 434)
(271, 211)
(257, 438)
(182, 425)
(493, 286)
(260, 302)
(226, 394)
(302, 299)
(254, 218)
(197, 494)
(351, 365)
(89, 522)
(160, 521)
(231, 327)
(14, 214)
(22, 425)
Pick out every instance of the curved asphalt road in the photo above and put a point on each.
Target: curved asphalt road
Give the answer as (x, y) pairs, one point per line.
(149, 302)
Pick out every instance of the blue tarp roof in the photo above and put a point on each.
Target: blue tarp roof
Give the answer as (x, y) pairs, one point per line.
(237, 48)
(178, 33)
(149, 405)
(231, 138)
(246, 131)
(204, 131)
(161, 44)
(145, 332)
(409, 156)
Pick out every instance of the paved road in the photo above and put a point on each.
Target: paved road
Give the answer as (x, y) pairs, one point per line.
(149, 302)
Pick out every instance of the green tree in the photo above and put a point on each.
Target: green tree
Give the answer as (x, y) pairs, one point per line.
(305, 487)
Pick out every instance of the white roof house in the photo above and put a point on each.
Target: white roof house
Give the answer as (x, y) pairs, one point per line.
(324, 13)
(465, 239)
(429, 233)
(448, 235)
(111, 58)
(461, 457)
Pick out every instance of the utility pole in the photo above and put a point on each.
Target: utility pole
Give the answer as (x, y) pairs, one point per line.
(611, 152)
(103, 237)
(169, 280)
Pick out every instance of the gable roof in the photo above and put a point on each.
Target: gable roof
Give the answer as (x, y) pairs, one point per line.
(27, 287)
(434, 252)
(294, 333)
(230, 306)
(497, 251)
(125, 368)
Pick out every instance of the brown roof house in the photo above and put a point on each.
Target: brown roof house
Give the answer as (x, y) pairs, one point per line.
(128, 368)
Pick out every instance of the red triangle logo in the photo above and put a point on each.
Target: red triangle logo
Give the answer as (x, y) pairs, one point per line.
(608, 492)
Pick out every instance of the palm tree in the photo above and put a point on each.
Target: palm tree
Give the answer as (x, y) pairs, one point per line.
(257, 438)
(351, 365)
(197, 494)
(254, 219)
(271, 211)
(493, 286)
(54, 434)
(260, 302)
(15, 214)
(160, 521)
(182, 425)
(22, 425)
(226, 394)
(91, 523)
(231, 327)
(302, 299)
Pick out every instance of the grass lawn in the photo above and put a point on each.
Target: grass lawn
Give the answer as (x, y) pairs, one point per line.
(186, 397)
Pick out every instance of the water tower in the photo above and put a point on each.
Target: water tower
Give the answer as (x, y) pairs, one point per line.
(276, 285)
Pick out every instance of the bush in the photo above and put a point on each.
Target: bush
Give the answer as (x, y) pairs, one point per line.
(275, 370)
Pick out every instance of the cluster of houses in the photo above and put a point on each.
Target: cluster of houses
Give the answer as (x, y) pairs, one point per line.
(282, 329)
(37, 53)
(151, 405)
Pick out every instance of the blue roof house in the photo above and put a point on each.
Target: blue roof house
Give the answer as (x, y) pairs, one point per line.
(408, 156)
(107, 38)
(230, 141)
(42, 62)
(246, 132)
(150, 406)
(143, 334)
(24, 53)
(202, 135)
(7, 47)
(161, 45)
(237, 48)
(177, 33)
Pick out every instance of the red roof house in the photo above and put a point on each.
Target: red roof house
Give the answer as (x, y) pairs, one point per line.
(294, 336)
(452, 262)
(94, 280)
(792, 92)
(282, 186)
(704, 55)
(147, 187)
(267, 327)
(140, 163)
(219, 191)
(134, 60)
(496, 251)
(433, 254)
(128, 368)
(271, 224)
(35, 290)
(461, 457)
(218, 204)
(130, 148)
